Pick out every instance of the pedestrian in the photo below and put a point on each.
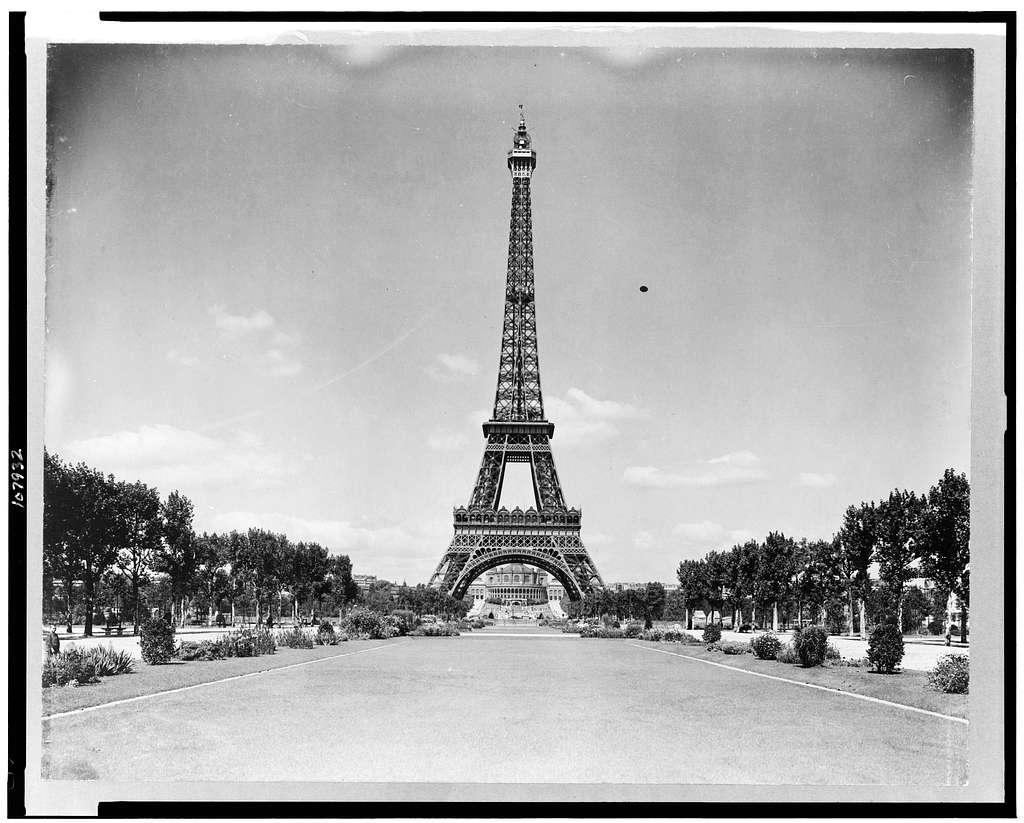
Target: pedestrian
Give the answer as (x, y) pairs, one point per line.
(53, 642)
(949, 637)
(270, 621)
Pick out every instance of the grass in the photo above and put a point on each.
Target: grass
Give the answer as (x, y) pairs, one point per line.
(905, 687)
(148, 679)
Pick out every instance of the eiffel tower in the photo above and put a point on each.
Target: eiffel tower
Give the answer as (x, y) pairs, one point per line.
(547, 535)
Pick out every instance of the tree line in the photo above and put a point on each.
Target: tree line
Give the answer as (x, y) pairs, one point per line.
(899, 538)
(119, 539)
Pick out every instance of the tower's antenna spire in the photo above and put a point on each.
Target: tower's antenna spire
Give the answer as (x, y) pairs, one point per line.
(522, 114)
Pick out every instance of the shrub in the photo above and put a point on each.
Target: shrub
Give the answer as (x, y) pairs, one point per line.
(294, 638)
(765, 646)
(67, 668)
(951, 674)
(156, 641)
(731, 647)
(109, 661)
(406, 620)
(325, 635)
(478, 624)
(245, 643)
(712, 633)
(811, 645)
(632, 629)
(364, 623)
(832, 653)
(935, 627)
(203, 650)
(745, 627)
(653, 635)
(885, 647)
(788, 654)
(436, 630)
(672, 636)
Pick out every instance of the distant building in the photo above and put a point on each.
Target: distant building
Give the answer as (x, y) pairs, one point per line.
(515, 584)
(365, 582)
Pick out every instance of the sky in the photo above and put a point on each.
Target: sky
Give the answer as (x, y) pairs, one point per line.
(275, 282)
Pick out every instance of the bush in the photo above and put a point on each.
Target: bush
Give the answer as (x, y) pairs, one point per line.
(364, 623)
(325, 635)
(435, 630)
(885, 647)
(788, 654)
(811, 645)
(653, 635)
(204, 650)
(765, 646)
(156, 641)
(109, 662)
(745, 627)
(245, 643)
(294, 638)
(68, 668)
(731, 647)
(406, 620)
(935, 627)
(632, 629)
(951, 674)
(832, 653)
(672, 636)
(713, 633)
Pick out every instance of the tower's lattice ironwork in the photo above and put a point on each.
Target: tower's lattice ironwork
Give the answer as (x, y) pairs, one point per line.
(546, 535)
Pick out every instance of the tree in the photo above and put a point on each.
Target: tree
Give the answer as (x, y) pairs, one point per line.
(138, 511)
(944, 538)
(820, 579)
(899, 519)
(691, 587)
(737, 577)
(675, 607)
(776, 568)
(211, 579)
(60, 561)
(857, 538)
(176, 556)
(654, 602)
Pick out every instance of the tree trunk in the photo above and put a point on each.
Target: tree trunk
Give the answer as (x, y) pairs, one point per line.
(88, 585)
(71, 607)
(963, 622)
(849, 614)
(232, 611)
(799, 614)
(753, 615)
(863, 619)
(775, 616)
(135, 601)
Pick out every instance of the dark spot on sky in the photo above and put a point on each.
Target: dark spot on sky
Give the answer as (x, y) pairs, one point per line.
(643, 289)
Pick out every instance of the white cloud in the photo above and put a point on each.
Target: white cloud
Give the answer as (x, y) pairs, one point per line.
(581, 419)
(813, 480)
(279, 363)
(171, 458)
(257, 331)
(235, 325)
(708, 534)
(182, 359)
(446, 441)
(451, 367)
(729, 469)
(643, 540)
(388, 551)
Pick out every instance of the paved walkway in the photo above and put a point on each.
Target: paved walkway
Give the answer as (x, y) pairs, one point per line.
(418, 709)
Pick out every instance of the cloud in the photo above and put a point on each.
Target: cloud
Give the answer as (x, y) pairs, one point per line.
(581, 419)
(453, 367)
(268, 349)
(388, 551)
(643, 540)
(237, 325)
(706, 534)
(182, 359)
(446, 441)
(729, 469)
(816, 481)
(171, 458)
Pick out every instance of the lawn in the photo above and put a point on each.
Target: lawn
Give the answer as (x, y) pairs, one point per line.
(148, 679)
(906, 687)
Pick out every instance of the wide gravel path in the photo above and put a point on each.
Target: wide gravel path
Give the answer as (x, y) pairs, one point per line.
(507, 709)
